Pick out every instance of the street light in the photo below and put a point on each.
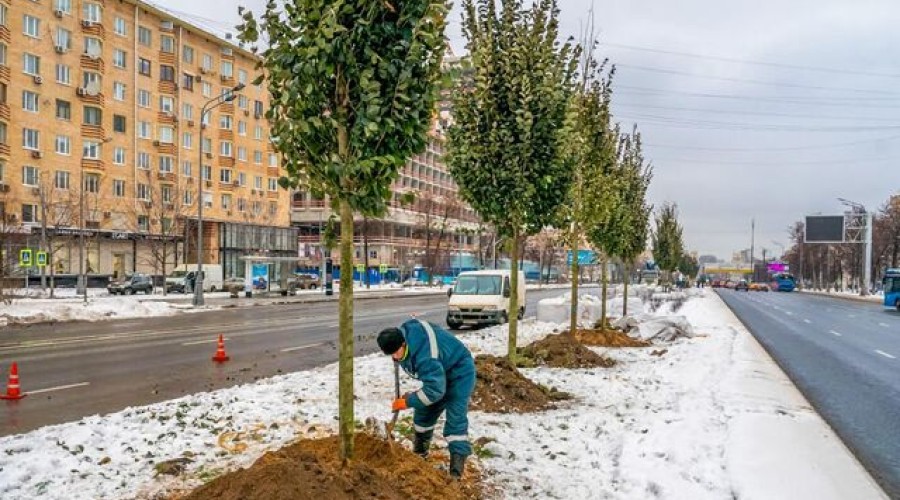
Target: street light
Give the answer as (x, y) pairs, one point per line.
(208, 106)
(867, 242)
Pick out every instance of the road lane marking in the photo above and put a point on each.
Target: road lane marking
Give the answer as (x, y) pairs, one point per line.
(885, 354)
(291, 349)
(884, 325)
(60, 388)
(836, 333)
(207, 341)
(807, 321)
(789, 313)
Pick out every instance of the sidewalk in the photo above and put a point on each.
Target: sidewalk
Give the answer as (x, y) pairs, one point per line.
(877, 298)
(712, 417)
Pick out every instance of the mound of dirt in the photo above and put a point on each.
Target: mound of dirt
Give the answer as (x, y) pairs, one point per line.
(500, 388)
(608, 338)
(312, 469)
(563, 351)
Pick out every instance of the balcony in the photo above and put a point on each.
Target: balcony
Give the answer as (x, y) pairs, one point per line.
(92, 64)
(5, 35)
(226, 135)
(96, 100)
(4, 150)
(226, 161)
(4, 112)
(4, 73)
(93, 131)
(227, 186)
(227, 108)
(273, 172)
(166, 148)
(167, 87)
(272, 195)
(167, 58)
(166, 117)
(93, 29)
(89, 164)
(308, 204)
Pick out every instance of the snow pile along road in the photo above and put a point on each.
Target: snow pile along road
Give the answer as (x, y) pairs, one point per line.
(29, 311)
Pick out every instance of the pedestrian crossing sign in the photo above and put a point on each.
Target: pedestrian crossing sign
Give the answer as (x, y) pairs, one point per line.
(382, 268)
(25, 256)
(41, 259)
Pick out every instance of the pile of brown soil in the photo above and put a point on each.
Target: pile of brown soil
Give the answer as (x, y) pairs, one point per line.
(562, 351)
(608, 338)
(312, 469)
(500, 388)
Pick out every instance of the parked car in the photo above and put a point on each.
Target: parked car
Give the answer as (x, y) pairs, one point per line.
(131, 284)
(742, 285)
(233, 285)
(759, 287)
(301, 281)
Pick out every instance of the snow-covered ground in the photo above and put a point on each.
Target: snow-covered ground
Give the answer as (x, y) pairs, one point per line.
(873, 297)
(713, 417)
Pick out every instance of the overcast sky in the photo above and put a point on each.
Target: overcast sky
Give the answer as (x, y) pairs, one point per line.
(765, 109)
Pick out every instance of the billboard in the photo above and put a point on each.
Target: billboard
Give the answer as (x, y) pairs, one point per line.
(585, 258)
(824, 229)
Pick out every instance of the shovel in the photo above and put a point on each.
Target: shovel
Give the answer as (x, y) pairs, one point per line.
(389, 426)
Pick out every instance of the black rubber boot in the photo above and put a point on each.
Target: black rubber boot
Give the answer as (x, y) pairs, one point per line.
(422, 443)
(457, 465)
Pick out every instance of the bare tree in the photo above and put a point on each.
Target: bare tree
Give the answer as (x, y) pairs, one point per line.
(436, 213)
(59, 205)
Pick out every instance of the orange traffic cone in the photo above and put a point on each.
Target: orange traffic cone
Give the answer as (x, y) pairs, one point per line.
(12, 389)
(220, 356)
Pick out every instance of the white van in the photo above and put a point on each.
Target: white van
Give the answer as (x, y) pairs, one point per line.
(180, 279)
(482, 298)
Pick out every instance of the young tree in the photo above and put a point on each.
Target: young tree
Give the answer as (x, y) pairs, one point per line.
(667, 240)
(506, 143)
(353, 87)
(58, 200)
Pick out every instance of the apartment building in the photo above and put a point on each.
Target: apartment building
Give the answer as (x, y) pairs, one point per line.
(436, 230)
(100, 140)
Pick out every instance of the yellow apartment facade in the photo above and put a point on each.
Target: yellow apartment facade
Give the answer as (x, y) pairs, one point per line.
(100, 140)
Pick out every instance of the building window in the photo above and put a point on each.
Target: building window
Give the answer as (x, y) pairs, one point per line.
(273, 160)
(63, 145)
(258, 109)
(30, 101)
(242, 179)
(257, 182)
(187, 140)
(167, 44)
(31, 26)
(242, 76)
(225, 148)
(187, 54)
(143, 66)
(63, 74)
(225, 122)
(119, 123)
(93, 116)
(30, 176)
(242, 128)
(91, 150)
(165, 193)
(273, 184)
(273, 210)
(63, 39)
(145, 36)
(64, 6)
(187, 112)
(242, 153)
(31, 64)
(143, 98)
(206, 172)
(119, 155)
(2, 54)
(61, 180)
(226, 68)
(120, 27)
(207, 62)
(187, 82)
(143, 161)
(92, 12)
(166, 73)
(225, 176)
(29, 212)
(186, 169)
(93, 47)
(206, 89)
(92, 183)
(187, 198)
(120, 58)
(165, 164)
(241, 204)
(257, 157)
(166, 104)
(143, 192)
(119, 91)
(31, 139)
(144, 130)
(3, 14)
(89, 79)
(207, 144)
(258, 132)
(118, 188)
(166, 134)
(143, 220)
(243, 102)
(2, 141)
(207, 200)
(226, 202)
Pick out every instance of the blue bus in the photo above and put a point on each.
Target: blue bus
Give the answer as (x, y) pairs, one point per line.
(891, 283)
(782, 282)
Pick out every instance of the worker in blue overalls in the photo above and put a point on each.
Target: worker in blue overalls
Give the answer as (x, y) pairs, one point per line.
(445, 367)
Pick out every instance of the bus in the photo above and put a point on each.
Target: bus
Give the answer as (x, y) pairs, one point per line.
(891, 284)
(782, 282)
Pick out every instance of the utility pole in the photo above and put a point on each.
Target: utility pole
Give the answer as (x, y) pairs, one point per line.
(752, 242)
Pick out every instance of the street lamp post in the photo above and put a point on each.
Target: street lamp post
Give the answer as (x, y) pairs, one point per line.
(208, 106)
(867, 245)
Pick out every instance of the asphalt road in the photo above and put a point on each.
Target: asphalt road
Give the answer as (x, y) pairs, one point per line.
(845, 357)
(72, 370)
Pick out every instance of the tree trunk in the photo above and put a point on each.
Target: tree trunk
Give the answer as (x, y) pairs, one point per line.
(345, 326)
(573, 307)
(366, 250)
(605, 279)
(626, 277)
(513, 312)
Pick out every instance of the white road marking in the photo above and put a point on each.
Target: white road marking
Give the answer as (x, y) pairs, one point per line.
(789, 313)
(59, 388)
(836, 333)
(207, 341)
(885, 354)
(290, 349)
(884, 325)
(807, 321)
